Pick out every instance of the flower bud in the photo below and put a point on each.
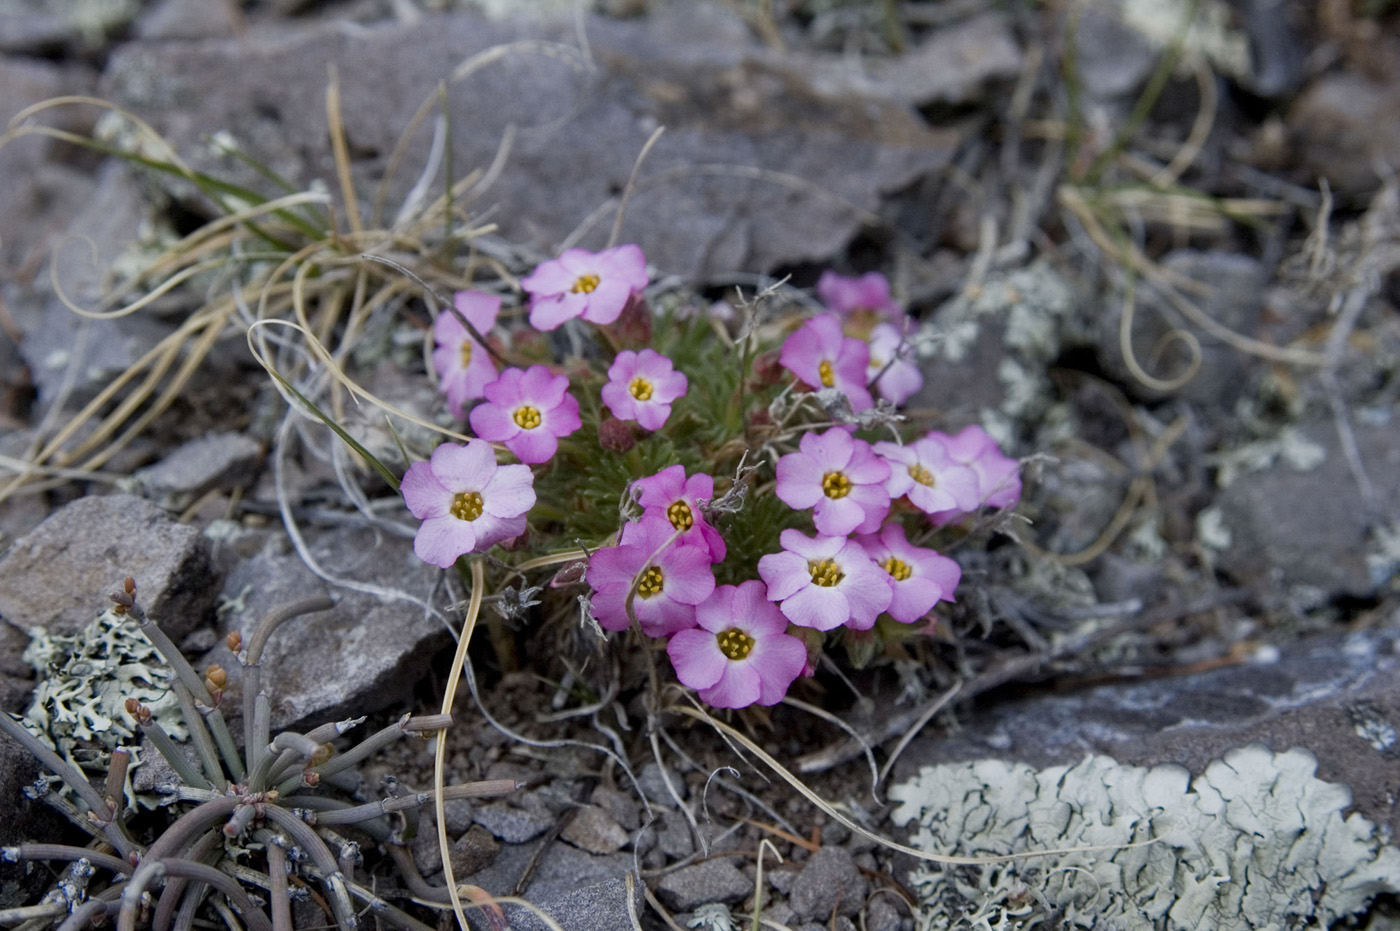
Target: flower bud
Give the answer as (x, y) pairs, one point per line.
(615, 436)
(234, 641)
(766, 368)
(215, 678)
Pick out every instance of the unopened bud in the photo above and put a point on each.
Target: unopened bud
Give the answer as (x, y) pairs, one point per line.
(310, 779)
(321, 754)
(234, 641)
(129, 585)
(215, 678)
(615, 436)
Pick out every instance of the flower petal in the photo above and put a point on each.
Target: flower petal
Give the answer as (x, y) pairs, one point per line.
(697, 659)
(738, 689)
(511, 492)
(440, 540)
(532, 446)
(778, 659)
(424, 495)
(818, 607)
(492, 422)
(464, 468)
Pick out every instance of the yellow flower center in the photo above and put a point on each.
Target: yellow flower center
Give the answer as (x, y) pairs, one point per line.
(466, 505)
(526, 417)
(899, 571)
(825, 572)
(466, 353)
(921, 475)
(679, 515)
(836, 485)
(640, 389)
(735, 644)
(585, 284)
(651, 582)
(827, 376)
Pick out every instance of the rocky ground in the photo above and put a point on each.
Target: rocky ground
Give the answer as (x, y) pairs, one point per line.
(1173, 288)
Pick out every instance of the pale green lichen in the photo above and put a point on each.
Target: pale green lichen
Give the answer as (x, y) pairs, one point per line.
(84, 682)
(1254, 842)
(1290, 446)
(1209, 37)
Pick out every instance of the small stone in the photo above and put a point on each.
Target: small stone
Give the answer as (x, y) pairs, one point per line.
(216, 460)
(673, 836)
(58, 575)
(621, 805)
(594, 830)
(653, 784)
(457, 813)
(882, 914)
(600, 906)
(473, 852)
(513, 825)
(711, 881)
(829, 882)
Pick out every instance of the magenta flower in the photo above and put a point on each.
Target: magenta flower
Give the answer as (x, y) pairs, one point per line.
(641, 387)
(463, 366)
(675, 577)
(740, 654)
(920, 578)
(869, 292)
(822, 356)
(825, 582)
(902, 377)
(926, 472)
(528, 411)
(594, 286)
(998, 475)
(670, 494)
(840, 478)
(466, 501)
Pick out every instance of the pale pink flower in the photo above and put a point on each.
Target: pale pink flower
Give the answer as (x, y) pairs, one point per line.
(466, 501)
(840, 478)
(528, 411)
(641, 387)
(821, 356)
(825, 582)
(919, 578)
(670, 494)
(740, 653)
(594, 286)
(463, 365)
(998, 475)
(870, 292)
(898, 379)
(927, 473)
(675, 576)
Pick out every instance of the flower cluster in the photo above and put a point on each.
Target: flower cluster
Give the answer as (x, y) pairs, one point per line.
(742, 609)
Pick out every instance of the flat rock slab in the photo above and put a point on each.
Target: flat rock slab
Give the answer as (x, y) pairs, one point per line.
(765, 160)
(1337, 697)
(58, 575)
(364, 654)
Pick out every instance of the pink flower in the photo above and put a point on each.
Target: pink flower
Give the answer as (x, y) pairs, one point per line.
(822, 356)
(825, 582)
(641, 387)
(740, 654)
(902, 378)
(463, 366)
(465, 500)
(528, 411)
(998, 475)
(926, 472)
(675, 577)
(920, 578)
(869, 292)
(594, 286)
(670, 494)
(840, 478)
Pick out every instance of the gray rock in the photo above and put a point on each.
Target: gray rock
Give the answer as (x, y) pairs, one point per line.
(216, 460)
(1345, 128)
(1335, 696)
(594, 830)
(58, 576)
(673, 835)
(621, 805)
(1113, 59)
(514, 825)
(1234, 298)
(1292, 527)
(723, 98)
(16, 676)
(882, 914)
(25, 820)
(653, 784)
(828, 883)
(565, 881)
(711, 881)
(599, 906)
(38, 195)
(189, 19)
(363, 654)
